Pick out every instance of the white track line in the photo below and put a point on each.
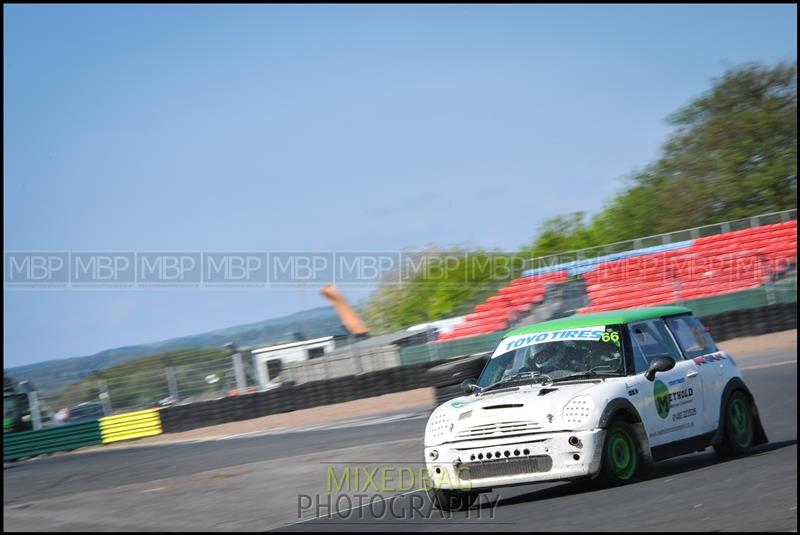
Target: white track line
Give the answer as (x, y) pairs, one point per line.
(361, 422)
(757, 366)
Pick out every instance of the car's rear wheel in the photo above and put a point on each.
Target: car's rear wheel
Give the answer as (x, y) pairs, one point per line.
(621, 461)
(452, 500)
(738, 426)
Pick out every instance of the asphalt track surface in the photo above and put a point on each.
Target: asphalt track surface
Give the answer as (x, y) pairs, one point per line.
(255, 483)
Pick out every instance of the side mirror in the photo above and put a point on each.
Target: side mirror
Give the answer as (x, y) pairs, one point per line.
(661, 363)
(468, 386)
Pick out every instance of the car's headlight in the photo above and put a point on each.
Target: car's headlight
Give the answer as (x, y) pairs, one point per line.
(439, 426)
(578, 410)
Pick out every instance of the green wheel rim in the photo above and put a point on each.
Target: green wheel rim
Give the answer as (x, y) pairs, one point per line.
(622, 455)
(741, 423)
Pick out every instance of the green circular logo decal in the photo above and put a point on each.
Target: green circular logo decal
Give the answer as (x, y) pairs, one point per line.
(661, 397)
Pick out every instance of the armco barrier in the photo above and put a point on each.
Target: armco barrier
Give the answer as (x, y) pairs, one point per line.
(61, 438)
(130, 425)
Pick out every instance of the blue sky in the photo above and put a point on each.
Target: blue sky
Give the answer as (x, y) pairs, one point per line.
(325, 128)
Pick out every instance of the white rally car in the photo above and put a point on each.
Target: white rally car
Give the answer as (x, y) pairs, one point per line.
(598, 395)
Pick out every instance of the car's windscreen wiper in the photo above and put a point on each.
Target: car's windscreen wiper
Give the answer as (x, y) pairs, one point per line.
(589, 373)
(513, 379)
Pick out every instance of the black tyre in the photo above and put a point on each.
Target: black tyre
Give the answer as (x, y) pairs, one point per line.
(622, 460)
(738, 426)
(452, 500)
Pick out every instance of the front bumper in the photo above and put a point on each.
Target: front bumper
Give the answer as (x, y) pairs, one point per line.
(485, 464)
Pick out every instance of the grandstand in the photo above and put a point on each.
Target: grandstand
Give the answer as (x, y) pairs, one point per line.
(507, 305)
(701, 267)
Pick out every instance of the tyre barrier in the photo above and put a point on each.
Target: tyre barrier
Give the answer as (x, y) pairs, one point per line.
(752, 321)
(291, 397)
(62, 438)
(447, 377)
(130, 425)
(455, 371)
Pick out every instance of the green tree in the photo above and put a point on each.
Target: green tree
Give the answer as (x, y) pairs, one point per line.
(733, 154)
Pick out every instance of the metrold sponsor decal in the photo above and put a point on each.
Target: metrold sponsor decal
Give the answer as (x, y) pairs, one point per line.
(666, 400)
(661, 398)
(681, 397)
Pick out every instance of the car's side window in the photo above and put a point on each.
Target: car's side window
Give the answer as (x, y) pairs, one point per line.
(650, 339)
(691, 336)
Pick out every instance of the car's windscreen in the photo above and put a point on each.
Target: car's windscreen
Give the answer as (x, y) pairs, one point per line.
(556, 355)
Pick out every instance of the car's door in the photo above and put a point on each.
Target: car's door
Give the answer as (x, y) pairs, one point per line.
(698, 346)
(672, 404)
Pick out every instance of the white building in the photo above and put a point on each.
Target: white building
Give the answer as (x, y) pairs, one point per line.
(269, 361)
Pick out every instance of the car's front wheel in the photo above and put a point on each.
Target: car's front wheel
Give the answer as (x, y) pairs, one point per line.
(622, 460)
(738, 426)
(452, 500)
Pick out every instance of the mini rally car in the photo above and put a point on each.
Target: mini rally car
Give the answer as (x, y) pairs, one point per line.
(599, 395)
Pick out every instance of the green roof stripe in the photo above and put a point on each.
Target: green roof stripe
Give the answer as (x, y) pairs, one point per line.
(612, 317)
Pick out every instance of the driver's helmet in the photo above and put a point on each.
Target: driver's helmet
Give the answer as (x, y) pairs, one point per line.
(545, 358)
(573, 355)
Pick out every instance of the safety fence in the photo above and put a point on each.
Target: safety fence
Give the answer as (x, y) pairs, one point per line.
(589, 256)
(291, 397)
(79, 435)
(185, 384)
(724, 326)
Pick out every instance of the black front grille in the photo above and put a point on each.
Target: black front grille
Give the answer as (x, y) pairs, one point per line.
(505, 467)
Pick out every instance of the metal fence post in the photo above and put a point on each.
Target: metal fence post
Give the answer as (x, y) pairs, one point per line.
(356, 355)
(105, 398)
(33, 403)
(238, 370)
(172, 383)
(326, 365)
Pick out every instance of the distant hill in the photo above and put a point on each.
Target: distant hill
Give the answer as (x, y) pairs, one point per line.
(53, 375)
